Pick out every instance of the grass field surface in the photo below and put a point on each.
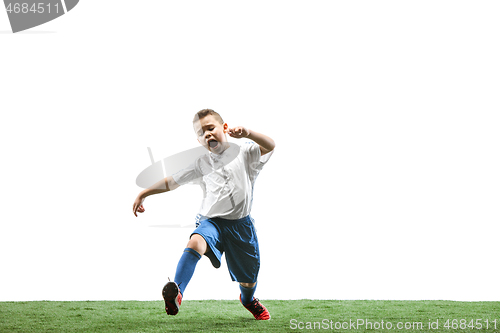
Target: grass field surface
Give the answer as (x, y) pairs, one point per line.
(231, 316)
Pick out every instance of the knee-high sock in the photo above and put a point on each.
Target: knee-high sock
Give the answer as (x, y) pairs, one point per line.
(185, 268)
(247, 294)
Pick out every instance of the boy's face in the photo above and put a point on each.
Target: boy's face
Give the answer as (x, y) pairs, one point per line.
(211, 134)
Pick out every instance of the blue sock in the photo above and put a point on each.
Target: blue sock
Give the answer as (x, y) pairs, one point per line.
(247, 294)
(185, 268)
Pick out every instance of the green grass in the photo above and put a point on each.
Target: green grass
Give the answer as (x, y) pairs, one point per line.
(230, 316)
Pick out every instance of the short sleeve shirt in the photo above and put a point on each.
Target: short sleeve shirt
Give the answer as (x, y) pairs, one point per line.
(228, 189)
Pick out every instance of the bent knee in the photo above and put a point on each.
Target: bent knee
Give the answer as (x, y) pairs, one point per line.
(197, 243)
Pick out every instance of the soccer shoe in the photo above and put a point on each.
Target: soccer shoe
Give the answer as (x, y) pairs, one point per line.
(172, 297)
(258, 310)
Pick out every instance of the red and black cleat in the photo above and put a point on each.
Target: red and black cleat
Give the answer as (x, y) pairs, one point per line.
(172, 297)
(258, 310)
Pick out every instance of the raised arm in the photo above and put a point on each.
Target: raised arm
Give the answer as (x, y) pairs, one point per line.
(164, 185)
(265, 143)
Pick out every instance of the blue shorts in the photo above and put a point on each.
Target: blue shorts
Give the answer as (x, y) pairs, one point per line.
(238, 239)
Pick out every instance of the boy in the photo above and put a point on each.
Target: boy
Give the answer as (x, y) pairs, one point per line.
(223, 223)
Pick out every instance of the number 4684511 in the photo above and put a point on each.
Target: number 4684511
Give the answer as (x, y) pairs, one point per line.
(472, 324)
(36, 8)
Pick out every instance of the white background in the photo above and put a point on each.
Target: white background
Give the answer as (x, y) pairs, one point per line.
(384, 183)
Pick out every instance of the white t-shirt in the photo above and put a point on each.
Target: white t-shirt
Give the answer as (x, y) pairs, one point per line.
(228, 189)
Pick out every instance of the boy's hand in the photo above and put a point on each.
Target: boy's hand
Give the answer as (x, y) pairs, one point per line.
(239, 132)
(138, 207)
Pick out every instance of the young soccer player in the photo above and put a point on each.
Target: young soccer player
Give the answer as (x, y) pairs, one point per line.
(223, 223)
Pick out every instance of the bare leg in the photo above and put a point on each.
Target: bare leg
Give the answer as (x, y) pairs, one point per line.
(197, 243)
(248, 285)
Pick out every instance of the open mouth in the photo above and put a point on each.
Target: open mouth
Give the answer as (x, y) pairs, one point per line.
(213, 144)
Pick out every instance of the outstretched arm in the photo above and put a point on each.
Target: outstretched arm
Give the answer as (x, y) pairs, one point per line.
(266, 143)
(164, 185)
